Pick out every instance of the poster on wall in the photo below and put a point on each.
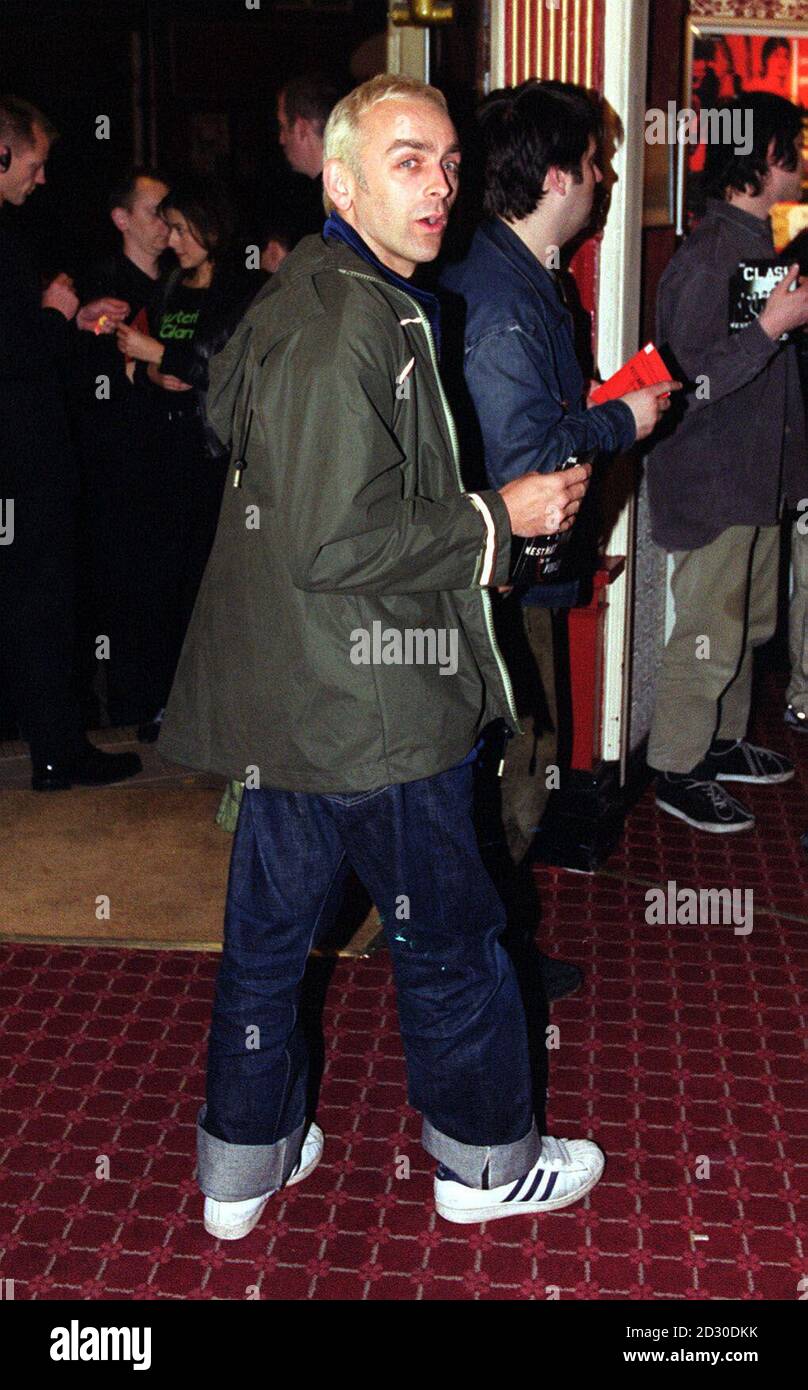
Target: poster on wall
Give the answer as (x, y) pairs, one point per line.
(724, 62)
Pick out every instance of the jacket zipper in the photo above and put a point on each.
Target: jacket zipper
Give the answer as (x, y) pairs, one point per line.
(450, 425)
(240, 447)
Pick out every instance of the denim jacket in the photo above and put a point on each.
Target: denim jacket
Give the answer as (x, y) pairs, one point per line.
(521, 404)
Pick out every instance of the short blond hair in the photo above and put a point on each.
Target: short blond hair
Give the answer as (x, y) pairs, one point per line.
(342, 135)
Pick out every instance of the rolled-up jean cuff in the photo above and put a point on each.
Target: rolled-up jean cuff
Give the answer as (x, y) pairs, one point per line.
(505, 1162)
(233, 1172)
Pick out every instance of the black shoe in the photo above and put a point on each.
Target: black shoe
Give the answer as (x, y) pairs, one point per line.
(559, 977)
(90, 768)
(150, 731)
(735, 760)
(796, 719)
(702, 803)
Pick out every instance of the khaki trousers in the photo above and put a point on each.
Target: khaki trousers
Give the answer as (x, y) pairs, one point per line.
(725, 595)
(529, 654)
(797, 692)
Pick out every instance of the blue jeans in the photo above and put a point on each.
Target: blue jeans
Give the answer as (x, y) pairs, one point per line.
(462, 1020)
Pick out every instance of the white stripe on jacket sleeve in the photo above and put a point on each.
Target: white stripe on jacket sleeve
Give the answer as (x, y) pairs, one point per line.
(490, 557)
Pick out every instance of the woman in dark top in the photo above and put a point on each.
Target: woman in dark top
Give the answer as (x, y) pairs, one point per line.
(190, 319)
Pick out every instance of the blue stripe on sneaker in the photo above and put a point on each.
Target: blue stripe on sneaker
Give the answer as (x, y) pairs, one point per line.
(526, 1196)
(548, 1189)
(509, 1196)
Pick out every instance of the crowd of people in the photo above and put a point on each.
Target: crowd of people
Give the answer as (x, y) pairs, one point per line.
(127, 475)
(389, 424)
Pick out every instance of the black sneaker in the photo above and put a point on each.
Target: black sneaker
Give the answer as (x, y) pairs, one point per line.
(796, 719)
(90, 767)
(701, 803)
(739, 761)
(149, 732)
(559, 977)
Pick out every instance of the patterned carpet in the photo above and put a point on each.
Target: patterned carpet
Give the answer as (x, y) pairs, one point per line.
(684, 1057)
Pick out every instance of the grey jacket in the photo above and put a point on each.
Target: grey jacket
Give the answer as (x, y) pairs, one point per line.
(731, 458)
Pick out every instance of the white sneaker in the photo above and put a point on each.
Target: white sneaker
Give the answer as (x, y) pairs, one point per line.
(564, 1172)
(232, 1220)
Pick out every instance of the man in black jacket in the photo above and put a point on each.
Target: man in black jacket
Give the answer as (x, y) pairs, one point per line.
(38, 483)
(117, 429)
(719, 483)
(304, 105)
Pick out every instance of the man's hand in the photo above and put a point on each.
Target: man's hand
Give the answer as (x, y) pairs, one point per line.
(101, 315)
(786, 308)
(139, 345)
(542, 503)
(168, 383)
(61, 295)
(648, 405)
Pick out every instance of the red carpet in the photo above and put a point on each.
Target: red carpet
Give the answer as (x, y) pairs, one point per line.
(687, 1044)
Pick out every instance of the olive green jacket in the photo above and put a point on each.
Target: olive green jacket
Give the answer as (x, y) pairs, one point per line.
(348, 532)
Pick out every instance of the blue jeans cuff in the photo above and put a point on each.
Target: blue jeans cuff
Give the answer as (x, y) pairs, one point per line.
(506, 1162)
(233, 1172)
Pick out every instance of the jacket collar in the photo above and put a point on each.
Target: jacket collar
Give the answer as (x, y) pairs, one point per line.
(507, 244)
(312, 255)
(337, 229)
(742, 222)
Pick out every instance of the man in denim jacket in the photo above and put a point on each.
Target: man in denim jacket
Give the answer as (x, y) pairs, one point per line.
(522, 400)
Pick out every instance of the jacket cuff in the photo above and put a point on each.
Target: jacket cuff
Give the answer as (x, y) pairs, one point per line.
(757, 343)
(497, 552)
(621, 420)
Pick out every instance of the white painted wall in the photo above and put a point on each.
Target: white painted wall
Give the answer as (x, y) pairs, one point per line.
(618, 309)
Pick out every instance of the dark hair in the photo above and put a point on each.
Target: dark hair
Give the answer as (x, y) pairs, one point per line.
(282, 224)
(773, 119)
(527, 130)
(312, 98)
(769, 48)
(206, 209)
(704, 50)
(17, 121)
(122, 193)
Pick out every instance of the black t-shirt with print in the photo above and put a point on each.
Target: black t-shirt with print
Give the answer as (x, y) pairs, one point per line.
(178, 320)
(174, 324)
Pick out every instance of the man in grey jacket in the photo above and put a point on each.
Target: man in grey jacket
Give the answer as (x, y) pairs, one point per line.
(341, 662)
(718, 484)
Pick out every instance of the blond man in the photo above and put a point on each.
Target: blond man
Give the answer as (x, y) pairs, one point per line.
(341, 662)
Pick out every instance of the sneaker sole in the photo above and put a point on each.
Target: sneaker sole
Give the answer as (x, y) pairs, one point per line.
(769, 780)
(702, 825)
(249, 1224)
(236, 1232)
(472, 1216)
